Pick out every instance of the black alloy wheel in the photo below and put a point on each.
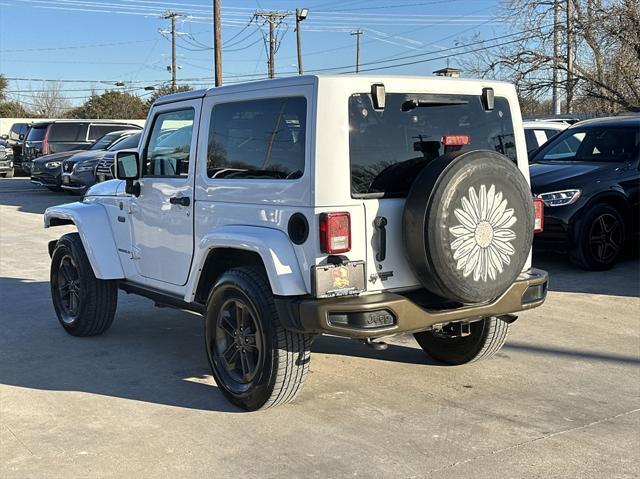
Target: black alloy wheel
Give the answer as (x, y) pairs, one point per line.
(238, 349)
(600, 238)
(605, 237)
(68, 286)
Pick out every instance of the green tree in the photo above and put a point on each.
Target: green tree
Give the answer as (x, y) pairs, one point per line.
(167, 90)
(111, 104)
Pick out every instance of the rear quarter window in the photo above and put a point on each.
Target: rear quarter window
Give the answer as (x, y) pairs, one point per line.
(67, 132)
(98, 131)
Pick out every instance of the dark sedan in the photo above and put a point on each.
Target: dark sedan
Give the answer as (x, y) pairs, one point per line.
(589, 179)
(47, 170)
(78, 172)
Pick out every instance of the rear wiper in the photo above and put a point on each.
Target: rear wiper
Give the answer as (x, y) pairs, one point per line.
(414, 103)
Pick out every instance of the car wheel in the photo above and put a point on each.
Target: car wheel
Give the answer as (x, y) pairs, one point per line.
(486, 338)
(255, 362)
(600, 239)
(84, 304)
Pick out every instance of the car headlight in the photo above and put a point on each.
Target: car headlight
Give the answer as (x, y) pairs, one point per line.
(52, 164)
(80, 169)
(560, 198)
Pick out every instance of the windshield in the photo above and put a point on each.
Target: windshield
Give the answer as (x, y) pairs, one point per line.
(389, 148)
(106, 140)
(606, 143)
(36, 133)
(126, 144)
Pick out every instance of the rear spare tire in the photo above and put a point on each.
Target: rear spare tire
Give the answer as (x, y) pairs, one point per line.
(468, 225)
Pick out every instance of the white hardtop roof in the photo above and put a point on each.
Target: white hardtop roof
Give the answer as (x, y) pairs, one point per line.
(311, 79)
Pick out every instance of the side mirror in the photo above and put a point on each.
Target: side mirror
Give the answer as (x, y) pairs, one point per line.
(127, 165)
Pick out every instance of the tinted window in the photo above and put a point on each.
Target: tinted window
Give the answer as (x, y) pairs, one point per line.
(104, 142)
(127, 143)
(389, 148)
(168, 154)
(36, 134)
(96, 131)
(551, 133)
(593, 144)
(67, 132)
(17, 129)
(258, 139)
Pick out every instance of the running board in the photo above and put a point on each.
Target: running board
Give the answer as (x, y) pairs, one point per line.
(160, 297)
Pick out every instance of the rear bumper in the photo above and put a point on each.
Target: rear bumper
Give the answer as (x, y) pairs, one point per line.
(375, 315)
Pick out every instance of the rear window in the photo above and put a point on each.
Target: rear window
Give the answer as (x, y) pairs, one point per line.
(37, 134)
(389, 148)
(67, 132)
(96, 131)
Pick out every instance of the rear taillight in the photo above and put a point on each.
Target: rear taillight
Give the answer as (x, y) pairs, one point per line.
(335, 232)
(538, 215)
(45, 143)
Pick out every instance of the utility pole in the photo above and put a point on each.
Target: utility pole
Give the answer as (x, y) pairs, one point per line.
(569, 56)
(274, 19)
(357, 33)
(301, 14)
(217, 43)
(556, 56)
(174, 67)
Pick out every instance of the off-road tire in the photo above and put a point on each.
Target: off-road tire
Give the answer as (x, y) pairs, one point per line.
(97, 298)
(284, 363)
(487, 337)
(583, 255)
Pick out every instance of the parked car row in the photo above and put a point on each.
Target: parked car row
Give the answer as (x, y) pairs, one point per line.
(74, 171)
(32, 140)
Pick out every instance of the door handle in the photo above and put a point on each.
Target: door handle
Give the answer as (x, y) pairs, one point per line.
(380, 224)
(180, 200)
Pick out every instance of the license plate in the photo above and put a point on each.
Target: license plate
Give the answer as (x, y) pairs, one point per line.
(65, 180)
(342, 280)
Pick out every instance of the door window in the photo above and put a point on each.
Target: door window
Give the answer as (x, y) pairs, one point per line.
(67, 132)
(97, 131)
(169, 146)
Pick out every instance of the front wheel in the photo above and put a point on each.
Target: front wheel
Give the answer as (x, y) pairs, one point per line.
(84, 304)
(255, 362)
(486, 338)
(600, 239)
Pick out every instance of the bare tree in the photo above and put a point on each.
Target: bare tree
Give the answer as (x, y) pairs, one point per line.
(49, 101)
(604, 71)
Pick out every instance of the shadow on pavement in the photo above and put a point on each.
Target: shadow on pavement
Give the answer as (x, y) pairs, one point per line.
(149, 355)
(622, 280)
(30, 198)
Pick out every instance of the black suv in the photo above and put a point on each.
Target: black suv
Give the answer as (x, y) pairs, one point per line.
(63, 135)
(15, 139)
(589, 179)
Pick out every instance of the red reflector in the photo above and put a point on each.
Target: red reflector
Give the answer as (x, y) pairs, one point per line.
(455, 140)
(335, 232)
(538, 215)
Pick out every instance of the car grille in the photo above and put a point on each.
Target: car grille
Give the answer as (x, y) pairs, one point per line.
(3, 154)
(104, 167)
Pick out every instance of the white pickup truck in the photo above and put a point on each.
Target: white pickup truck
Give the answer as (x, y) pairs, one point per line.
(351, 205)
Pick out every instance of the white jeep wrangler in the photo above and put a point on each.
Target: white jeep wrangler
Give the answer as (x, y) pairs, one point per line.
(356, 206)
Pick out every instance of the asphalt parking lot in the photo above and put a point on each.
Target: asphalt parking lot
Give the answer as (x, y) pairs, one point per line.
(562, 399)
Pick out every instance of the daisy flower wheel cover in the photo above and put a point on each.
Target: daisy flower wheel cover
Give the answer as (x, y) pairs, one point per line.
(481, 242)
(468, 225)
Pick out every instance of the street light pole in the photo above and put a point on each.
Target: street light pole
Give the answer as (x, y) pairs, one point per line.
(357, 33)
(301, 14)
